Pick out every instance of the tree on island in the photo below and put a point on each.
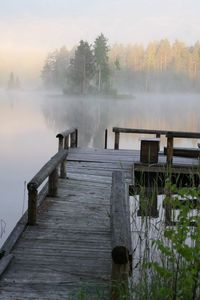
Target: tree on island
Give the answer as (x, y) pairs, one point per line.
(101, 50)
(81, 69)
(54, 71)
(13, 82)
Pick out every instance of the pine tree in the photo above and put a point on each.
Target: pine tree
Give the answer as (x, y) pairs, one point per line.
(101, 50)
(82, 69)
(54, 71)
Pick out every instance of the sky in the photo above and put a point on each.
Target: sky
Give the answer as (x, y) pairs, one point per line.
(32, 28)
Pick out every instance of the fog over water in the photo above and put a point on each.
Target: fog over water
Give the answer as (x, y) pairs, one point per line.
(30, 121)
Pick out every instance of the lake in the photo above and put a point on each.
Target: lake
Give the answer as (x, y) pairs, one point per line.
(30, 121)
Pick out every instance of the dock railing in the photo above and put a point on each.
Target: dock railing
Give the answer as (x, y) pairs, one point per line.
(170, 135)
(66, 139)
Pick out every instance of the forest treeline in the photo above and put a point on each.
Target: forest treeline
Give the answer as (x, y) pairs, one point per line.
(161, 66)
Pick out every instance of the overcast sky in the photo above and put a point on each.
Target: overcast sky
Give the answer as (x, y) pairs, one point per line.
(49, 24)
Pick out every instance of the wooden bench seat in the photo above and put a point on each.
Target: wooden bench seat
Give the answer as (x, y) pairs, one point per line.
(184, 152)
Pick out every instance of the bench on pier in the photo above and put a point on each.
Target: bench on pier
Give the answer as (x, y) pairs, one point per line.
(184, 152)
(149, 150)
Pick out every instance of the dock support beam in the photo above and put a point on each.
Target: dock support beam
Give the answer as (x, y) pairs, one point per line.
(106, 139)
(121, 236)
(32, 203)
(117, 136)
(170, 143)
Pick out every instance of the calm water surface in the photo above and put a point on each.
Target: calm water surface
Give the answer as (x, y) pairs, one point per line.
(30, 120)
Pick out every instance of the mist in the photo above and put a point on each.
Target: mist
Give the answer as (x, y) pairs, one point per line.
(31, 120)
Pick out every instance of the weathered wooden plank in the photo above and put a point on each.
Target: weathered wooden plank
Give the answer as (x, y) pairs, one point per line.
(181, 168)
(184, 152)
(93, 151)
(120, 220)
(72, 241)
(4, 262)
(121, 234)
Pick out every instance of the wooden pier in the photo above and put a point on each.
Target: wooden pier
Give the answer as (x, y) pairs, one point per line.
(75, 237)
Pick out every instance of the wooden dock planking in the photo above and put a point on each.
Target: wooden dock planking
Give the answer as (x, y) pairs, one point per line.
(70, 246)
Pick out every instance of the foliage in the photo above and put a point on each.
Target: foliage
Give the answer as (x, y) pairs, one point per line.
(174, 272)
(13, 82)
(160, 66)
(54, 71)
(101, 49)
(81, 69)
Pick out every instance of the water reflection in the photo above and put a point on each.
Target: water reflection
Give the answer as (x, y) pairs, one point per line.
(26, 143)
(30, 120)
(92, 116)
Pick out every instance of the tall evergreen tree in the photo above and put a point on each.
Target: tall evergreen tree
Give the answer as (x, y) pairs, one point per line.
(81, 70)
(54, 71)
(101, 49)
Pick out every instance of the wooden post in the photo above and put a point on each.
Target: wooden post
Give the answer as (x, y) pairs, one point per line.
(106, 138)
(170, 143)
(158, 137)
(76, 134)
(120, 274)
(73, 140)
(66, 142)
(63, 173)
(60, 143)
(121, 236)
(32, 204)
(53, 183)
(117, 140)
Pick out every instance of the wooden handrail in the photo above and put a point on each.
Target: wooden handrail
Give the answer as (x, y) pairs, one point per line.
(65, 133)
(120, 230)
(48, 170)
(67, 139)
(182, 134)
(177, 134)
(169, 134)
(118, 130)
(137, 130)
(66, 136)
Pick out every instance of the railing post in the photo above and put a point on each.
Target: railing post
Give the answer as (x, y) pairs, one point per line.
(60, 143)
(66, 142)
(116, 140)
(32, 204)
(73, 140)
(76, 135)
(63, 174)
(106, 138)
(53, 183)
(170, 143)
